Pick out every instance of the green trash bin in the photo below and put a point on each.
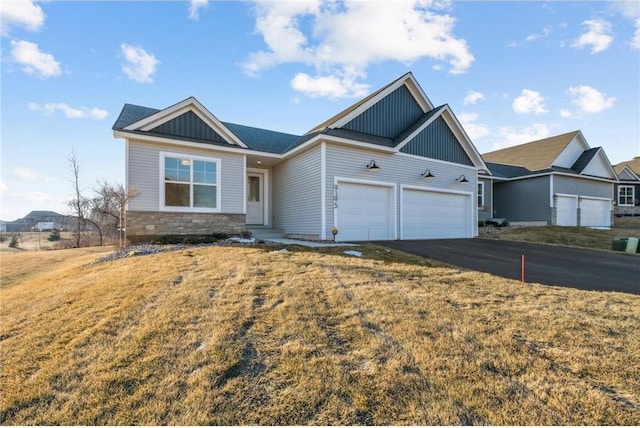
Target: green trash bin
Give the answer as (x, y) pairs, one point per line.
(619, 243)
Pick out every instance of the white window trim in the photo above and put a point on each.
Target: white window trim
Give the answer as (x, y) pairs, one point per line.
(633, 196)
(191, 157)
(481, 194)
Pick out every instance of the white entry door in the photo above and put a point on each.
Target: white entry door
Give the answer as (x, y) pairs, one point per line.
(255, 198)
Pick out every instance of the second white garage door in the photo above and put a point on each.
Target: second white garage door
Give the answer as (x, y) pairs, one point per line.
(432, 215)
(595, 212)
(365, 212)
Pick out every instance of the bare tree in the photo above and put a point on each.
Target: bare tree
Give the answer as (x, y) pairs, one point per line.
(109, 206)
(79, 204)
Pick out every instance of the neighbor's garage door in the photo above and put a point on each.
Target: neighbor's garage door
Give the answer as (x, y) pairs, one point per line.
(595, 212)
(430, 215)
(567, 210)
(364, 212)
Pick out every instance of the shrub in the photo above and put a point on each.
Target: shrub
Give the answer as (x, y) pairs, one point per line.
(54, 236)
(13, 243)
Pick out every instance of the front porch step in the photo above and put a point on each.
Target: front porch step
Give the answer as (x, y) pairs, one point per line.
(266, 233)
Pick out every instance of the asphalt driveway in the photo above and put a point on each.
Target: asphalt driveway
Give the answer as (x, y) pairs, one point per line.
(545, 264)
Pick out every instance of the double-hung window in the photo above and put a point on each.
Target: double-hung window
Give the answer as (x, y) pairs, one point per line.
(189, 183)
(625, 196)
(481, 194)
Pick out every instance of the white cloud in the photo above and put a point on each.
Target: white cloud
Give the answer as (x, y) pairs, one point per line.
(598, 36)
(474, 130)
(195, 6)
(70, 112)
(139, 64)
(565, 113)
(473, 97)
(635, 42)
(512, 137)
(529, 102)
(3, 186)
(535, 36)
(26, 174)
(590, 100)
(20, 13)
(34, 61)
(340, 40)
(332, 87)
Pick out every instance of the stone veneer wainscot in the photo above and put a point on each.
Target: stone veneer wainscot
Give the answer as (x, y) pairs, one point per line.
(148, 225)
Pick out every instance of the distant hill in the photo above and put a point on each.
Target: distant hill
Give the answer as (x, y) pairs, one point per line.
(29, 221)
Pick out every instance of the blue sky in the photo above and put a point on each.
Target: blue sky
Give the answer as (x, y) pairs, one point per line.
(512, 72)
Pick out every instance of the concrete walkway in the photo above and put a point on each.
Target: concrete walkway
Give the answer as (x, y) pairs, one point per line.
(310, 244)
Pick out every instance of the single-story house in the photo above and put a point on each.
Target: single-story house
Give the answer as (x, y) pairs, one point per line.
(391, 166)
(627, 190)
(554, 181)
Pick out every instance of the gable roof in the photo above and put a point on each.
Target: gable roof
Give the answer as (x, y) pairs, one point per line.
(626, 174)
(633, 164)
(390, 118)
(534, 156)
(550, 155)
(191, 104)
(581, 163)
(357, 108)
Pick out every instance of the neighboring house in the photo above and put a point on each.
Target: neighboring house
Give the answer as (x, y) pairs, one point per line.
(391, 166)
(627, 191)
(556, 181)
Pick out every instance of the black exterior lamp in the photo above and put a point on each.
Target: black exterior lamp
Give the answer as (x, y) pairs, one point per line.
(371, 166)
(427, 174)
(462, 179)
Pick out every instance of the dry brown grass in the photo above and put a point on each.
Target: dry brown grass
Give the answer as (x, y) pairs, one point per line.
(582, 237)
(245, 336)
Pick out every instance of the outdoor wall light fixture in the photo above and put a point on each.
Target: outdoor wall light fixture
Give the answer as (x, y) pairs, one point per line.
(462, 179)
(427, 174)
(371, 166)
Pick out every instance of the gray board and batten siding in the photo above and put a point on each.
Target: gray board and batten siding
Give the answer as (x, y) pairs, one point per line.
(437, 141)
(523, 200)
(144, 172)
(389, 116)
(188, 125)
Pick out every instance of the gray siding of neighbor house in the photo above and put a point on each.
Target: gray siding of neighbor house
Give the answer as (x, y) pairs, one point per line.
(523, 200)
(388, 117)
(144, 172)
(296, 195)
(437, 141)
(582, 187)
(349, 162)
(487, 209)
(188, 125)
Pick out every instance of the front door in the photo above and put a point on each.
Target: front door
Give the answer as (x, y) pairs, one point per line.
(255, 198)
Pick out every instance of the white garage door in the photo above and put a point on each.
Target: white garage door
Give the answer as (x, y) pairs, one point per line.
(364, 212)
(595, 212)
(567, 210)
(430, 215)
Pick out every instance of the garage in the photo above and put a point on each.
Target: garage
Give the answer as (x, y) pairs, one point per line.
(429, 214)
(365, 211)
(595, 212)
(566, 210)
